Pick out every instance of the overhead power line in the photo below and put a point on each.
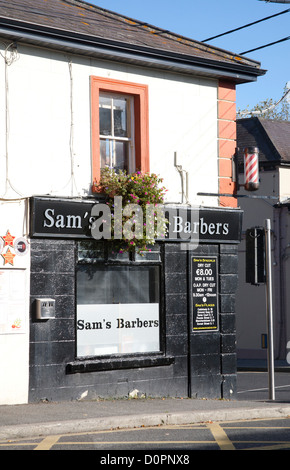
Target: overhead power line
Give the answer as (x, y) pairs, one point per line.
(263, 111)
(266, 45)
(247, 25)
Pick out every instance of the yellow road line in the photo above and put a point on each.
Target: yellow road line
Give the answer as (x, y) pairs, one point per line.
(221, 437)
(133, 443)
(47, 443)
(271, 447)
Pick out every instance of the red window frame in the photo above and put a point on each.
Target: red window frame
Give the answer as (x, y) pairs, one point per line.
(141, 120)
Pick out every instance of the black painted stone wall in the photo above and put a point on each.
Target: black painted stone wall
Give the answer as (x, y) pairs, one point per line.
(228, 287)
(192, 364)
(52, 342)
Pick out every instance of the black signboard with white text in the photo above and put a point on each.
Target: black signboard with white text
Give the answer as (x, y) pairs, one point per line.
(204, 224)
(204, 293)
(60, 218)
(72, 218)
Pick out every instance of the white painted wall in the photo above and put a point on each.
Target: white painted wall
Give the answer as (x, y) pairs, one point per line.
(42, 113)
(45, 149)
(14, 297)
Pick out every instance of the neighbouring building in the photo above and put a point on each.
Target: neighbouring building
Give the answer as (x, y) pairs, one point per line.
(270, 201)
(82, 88)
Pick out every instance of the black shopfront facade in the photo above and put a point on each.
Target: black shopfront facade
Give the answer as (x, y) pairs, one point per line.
(162, 323)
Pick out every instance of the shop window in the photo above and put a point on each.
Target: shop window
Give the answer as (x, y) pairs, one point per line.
(120, 136)
(118, 302)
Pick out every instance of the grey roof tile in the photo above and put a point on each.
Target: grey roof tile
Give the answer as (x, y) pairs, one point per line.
(272, 137)
(77, 16)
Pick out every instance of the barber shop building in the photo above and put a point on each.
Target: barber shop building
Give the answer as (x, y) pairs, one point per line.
(87, 90)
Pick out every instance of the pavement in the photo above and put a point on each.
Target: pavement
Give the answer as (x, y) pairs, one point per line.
(49, 418)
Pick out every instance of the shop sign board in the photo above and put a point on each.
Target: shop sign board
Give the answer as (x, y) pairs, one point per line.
(60, 218)
(69, 218)
(204, 293)
(207, 225)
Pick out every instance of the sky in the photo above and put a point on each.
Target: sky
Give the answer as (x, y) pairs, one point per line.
(202, 19)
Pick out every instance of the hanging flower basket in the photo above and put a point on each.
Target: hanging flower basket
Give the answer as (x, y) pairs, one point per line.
(140, 215)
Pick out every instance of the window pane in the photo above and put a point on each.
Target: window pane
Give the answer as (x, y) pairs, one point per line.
(105, 153)
(116, 256)
(106, 101)
(120, 117)
(152, 255)
(117, 284)
(105, 115)
(90, 250)
(121, 157)
(116, 123)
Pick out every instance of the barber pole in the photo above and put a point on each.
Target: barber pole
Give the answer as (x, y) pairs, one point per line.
(251, 165)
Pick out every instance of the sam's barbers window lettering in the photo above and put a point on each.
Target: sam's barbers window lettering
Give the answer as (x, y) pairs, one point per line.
(117, 309)
(117, 329)
(204, 294)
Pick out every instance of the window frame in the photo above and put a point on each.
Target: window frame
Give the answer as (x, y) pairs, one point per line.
(105, 350)
(115, 362)
(107, 258)
(129, 138)
(139, 93)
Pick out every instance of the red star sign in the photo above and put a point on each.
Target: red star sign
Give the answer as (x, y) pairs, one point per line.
(8, 239)
(8, 257)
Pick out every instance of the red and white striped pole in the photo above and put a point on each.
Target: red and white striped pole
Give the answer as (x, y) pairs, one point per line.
(251, 168)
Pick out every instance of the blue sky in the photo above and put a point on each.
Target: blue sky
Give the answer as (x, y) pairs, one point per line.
(201, 19)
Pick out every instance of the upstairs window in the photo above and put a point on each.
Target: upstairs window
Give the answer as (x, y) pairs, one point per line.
(120, 136)
(116, 120)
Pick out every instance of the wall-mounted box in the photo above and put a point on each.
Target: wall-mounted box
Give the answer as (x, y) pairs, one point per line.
(45, 309)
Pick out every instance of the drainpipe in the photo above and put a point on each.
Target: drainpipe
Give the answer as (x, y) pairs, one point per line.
(184, 194)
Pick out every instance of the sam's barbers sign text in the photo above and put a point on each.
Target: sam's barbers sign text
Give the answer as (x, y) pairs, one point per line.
(65, 218)
(205, 225)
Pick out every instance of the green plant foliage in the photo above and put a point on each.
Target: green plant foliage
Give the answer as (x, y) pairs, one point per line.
(140, 213)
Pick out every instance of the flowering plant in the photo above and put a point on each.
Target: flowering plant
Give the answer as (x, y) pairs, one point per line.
(139, 197)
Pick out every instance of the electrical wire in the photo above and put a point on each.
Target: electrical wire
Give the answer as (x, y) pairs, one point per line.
(104, 24)
(247, 25)
(71, 141)
(263, 111)
(107, 15)
(10, 56)
(266, 45)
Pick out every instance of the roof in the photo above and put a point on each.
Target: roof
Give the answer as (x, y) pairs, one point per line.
(272, 137)
(79, 26)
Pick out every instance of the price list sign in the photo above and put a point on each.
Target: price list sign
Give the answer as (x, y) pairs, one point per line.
(204, 294)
